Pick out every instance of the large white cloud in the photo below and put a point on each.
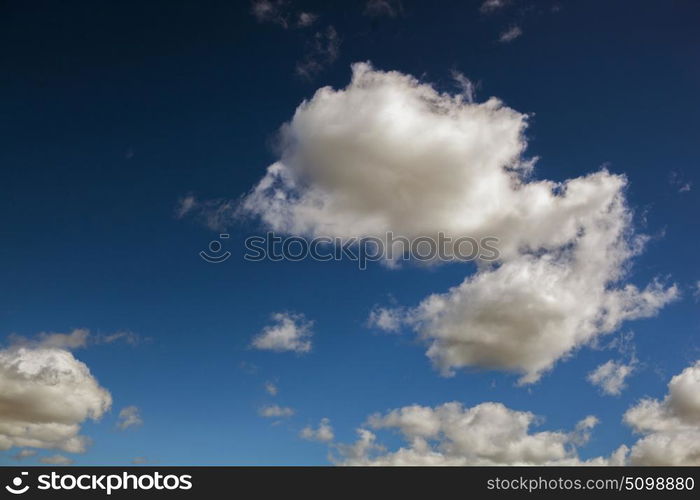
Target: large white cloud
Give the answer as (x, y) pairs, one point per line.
(391, 154)
(486, 434)
(670, 427)
(45, 395)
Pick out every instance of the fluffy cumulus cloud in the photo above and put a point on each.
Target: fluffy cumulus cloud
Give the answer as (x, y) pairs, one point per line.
(391, 154)
(450, 434)
(45, 396)
(289, 332)
(611, 376)
(670, 427)
(323, 433)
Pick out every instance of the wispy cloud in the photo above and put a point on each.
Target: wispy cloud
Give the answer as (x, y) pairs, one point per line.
(510, 34)
(275, 411)
(321, 50)
(490, 6)
(129, 417)
(387, 8)
(271, 388)
(56, 460)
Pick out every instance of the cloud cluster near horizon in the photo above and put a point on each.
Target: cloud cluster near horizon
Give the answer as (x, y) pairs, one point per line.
(486, 434)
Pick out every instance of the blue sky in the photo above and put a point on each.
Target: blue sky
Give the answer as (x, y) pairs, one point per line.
(115, 111)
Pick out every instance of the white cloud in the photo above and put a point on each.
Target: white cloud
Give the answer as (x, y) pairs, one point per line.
(391, 154)
(24, 453)
(466, 86)
(321, 50)
(289, 332)
(611, 376)
(670, 427)
(388, 8)
(677, 180)
(280, 12)
(323, 433)
(45, 394)
(532, 311)
(127, 337)
(129, 416)
(271, 388)
(76, 339)
(510, 34)
(490, 6)
(450, 434)
(215, 214)
(306, 19)
(56, 460)
(387, 319)
(271, 11)
(275, 411)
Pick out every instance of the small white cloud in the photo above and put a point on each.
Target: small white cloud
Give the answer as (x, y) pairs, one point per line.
(56, 460)
(676, 179)
(215, 214)
(387, 8)
(306, 19)
(275, 411)
(387, 319)
(271, 11)
(129, 416)
(271, 388)
(510, 34)
(289, 332)
(611, 376)
(323, 433)
(466, 86)
(127, 337)
(77, 339)
(490, 6)
(321, 51)
(24, 453)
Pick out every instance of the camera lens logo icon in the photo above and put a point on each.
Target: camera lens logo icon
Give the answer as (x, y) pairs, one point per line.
(16, 488)
(215, 247)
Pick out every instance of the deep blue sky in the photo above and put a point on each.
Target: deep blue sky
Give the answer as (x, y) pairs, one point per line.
(112, 111)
